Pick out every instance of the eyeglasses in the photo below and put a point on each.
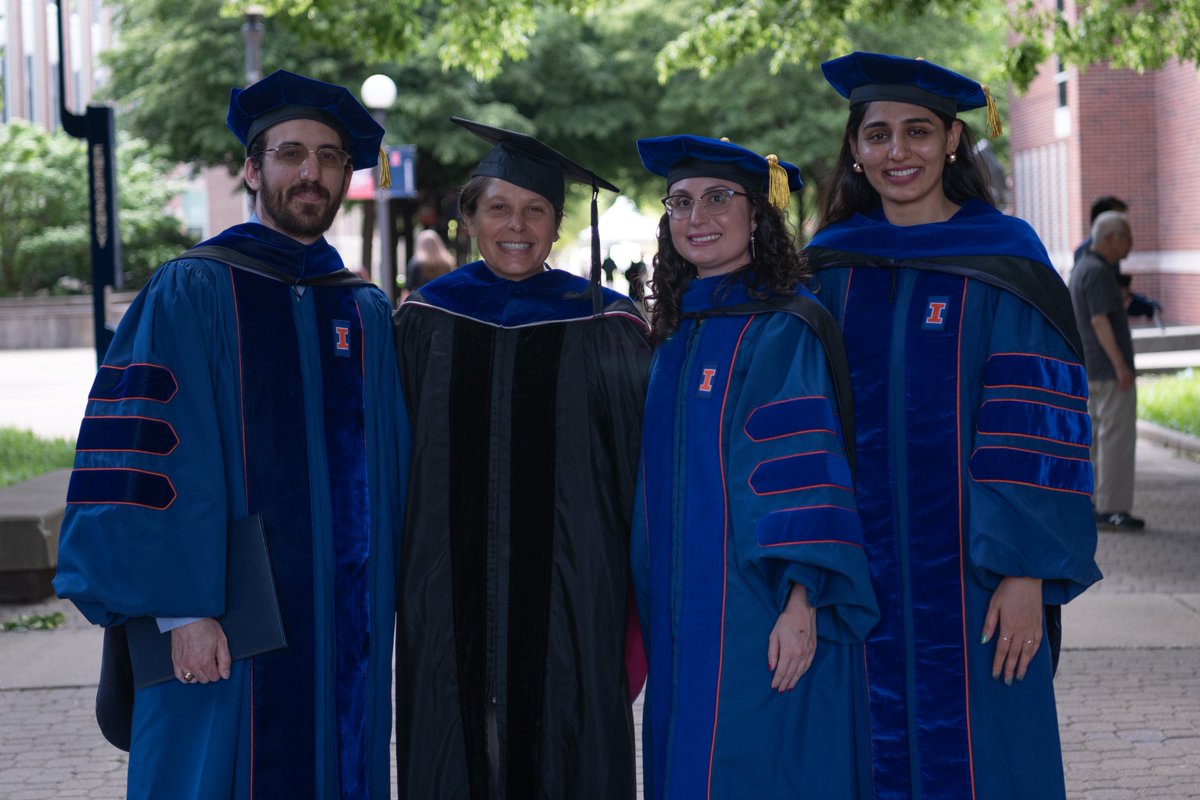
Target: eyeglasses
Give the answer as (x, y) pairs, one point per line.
(293, 155)
(714, 202)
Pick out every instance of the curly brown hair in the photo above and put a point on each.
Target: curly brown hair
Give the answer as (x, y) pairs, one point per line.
(776, 270)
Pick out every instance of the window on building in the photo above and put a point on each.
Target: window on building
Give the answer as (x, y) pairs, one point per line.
(28, 72)
(4, 88)
(195, 211)
(1062, 111)
(54, 66)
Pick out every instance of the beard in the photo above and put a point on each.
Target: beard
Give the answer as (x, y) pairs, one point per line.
(298, 219)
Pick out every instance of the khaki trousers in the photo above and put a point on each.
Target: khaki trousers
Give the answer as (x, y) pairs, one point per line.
(1114, 442)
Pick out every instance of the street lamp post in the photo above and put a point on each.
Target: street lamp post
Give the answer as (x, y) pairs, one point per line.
(378, 94)
(252, 35)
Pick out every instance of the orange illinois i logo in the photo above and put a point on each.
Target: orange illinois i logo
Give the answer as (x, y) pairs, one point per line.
(935, 314)
(708, 374)
(341, 338)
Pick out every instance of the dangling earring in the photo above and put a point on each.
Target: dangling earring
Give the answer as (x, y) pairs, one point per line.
(857, 167)
(950, 159)
(752, 236)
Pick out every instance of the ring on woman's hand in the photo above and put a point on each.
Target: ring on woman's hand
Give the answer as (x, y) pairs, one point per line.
(1005, 638)
(1029, 641)
(188, 677)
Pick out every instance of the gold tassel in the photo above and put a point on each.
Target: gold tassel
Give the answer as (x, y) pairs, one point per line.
(777, 184)
(385, 172)
(993, 116)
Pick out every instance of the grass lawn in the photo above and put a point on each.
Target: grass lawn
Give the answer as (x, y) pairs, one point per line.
(1172, 401)
(23, 455)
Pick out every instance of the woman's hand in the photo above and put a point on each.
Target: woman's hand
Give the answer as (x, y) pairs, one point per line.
(1016, 610)
(200, 652)
(793, 641)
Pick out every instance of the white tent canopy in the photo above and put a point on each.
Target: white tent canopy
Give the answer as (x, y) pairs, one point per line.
(626, 235)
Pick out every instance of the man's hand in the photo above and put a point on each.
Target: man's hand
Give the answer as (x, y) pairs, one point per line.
(793, 641)
(1124, 377)
(200, 652)
(1108, 343)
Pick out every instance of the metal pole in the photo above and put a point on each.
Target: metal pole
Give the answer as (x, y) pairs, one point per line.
(383, 222)
(97, 126)
(252, 35)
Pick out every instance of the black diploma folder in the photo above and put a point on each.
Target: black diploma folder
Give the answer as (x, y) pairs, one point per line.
(251, 621)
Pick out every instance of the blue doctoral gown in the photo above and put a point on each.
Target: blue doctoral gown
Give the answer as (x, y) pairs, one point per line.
(971, 421)
(226, 393)
(746, 489)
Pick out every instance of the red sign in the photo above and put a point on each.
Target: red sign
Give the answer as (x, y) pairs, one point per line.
(362, 185)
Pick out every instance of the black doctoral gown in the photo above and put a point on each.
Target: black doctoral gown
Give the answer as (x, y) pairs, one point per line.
(514, 587)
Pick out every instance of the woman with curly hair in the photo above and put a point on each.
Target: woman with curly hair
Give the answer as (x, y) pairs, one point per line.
(747, 545)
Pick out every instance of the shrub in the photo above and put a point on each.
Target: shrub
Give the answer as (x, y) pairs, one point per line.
(1172, 401)
(23, 455)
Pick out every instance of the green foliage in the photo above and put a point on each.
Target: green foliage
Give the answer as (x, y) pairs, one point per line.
(174, 63)
(589, 82)
(44, 209)
(35, 622)
(475, 35)
(1132, 34)
(23, 455)
(1171, 401)
(481, 36)
(37, 173)
(804, 33)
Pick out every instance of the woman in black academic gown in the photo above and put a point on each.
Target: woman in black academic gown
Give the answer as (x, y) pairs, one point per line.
(525, 387)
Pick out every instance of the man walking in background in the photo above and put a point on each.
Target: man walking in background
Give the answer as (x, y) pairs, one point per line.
(1108, 356)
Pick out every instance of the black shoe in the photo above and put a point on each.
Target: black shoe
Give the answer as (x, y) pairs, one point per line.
(1119, 521)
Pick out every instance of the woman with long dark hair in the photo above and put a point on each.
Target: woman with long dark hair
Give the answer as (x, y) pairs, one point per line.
(746, 548)
(970, 405)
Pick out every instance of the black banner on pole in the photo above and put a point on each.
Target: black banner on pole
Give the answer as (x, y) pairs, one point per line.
(98, 127)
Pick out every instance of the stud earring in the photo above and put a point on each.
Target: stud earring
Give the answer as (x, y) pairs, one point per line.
(950, 159)
(857, 167)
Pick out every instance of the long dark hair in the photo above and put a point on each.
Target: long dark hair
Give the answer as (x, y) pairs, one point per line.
(775, 271)
(848, 192)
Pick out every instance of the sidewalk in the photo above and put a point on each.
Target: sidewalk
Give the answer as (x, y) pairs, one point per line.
(1128, 685)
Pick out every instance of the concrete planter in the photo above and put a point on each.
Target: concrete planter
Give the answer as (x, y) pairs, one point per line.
(28, 323)
(30, 515)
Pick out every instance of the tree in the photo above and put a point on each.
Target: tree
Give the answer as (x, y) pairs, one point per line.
(476, 35)
(589, 84)
(174, 92)
(480, 36)
(44, 210)
(1131, 34)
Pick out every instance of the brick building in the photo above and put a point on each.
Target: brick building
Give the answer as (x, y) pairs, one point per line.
(30, 61)
(1075, 136)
